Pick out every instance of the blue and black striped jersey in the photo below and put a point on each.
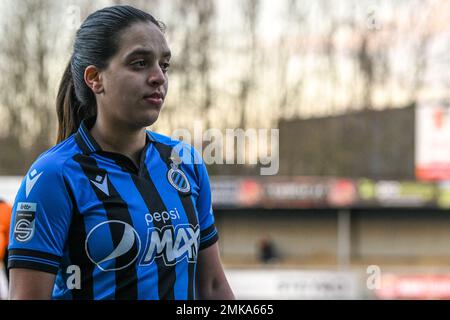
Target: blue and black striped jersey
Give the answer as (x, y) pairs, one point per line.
(130, 232)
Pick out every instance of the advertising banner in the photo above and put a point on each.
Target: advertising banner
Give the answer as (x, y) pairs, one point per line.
(414, 287)
(293, 284)
(432, 141)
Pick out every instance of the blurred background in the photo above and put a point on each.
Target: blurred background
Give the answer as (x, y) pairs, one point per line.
(359, 208)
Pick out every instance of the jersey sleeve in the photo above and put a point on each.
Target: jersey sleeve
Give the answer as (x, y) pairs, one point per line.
(41, 217)
(208, 231)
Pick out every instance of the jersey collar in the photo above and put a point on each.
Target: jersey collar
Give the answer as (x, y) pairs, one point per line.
(87, 142)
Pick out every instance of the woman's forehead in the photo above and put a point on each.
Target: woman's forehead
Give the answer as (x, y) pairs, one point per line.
(143, 35)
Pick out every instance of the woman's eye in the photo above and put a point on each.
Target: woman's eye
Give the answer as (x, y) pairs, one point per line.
(165, 66)
(139, 63)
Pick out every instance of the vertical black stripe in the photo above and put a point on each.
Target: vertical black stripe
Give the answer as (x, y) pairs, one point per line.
(152, 198)
(192, 218)
(165, 152)
(116, 209)
(196, 169)
(81, 144)
(76, 239)
(78, 257)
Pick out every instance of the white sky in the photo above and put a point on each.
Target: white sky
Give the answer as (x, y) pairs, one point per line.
(273, 23)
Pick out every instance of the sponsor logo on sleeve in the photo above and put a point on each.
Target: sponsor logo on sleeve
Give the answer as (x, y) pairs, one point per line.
(25, 221)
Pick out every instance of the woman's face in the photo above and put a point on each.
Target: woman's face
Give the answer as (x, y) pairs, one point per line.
(135, 82)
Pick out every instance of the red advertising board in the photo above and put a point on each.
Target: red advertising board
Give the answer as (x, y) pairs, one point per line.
(414, 287)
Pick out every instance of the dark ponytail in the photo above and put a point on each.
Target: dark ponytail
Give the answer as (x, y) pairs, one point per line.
(68, 107)
(96, 42)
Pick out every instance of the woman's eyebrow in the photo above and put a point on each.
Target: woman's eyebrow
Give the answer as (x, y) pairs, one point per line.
(141, 51)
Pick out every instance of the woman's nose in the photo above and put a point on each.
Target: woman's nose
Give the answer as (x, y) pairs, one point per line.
(156, 77)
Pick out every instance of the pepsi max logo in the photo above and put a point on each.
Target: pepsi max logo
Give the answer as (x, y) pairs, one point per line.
(112, 255)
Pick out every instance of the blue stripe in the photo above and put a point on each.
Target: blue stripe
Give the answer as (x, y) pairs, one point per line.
(212, 234)
(151, 135)
(40, 260)
(178, 179)
(86, 139)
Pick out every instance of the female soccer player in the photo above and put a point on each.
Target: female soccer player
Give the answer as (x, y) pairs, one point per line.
(114, 211)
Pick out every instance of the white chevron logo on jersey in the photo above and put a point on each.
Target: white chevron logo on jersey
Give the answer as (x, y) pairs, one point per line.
(101, 183)
(31, 182)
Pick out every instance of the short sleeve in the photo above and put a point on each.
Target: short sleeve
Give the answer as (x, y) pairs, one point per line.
(41, 217)
(208, 231)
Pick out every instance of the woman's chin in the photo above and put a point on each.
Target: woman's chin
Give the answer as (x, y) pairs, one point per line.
(149, 118)
(142, 118)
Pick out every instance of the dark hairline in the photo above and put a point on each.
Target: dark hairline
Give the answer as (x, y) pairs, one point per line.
(160, 25)
(144, 51)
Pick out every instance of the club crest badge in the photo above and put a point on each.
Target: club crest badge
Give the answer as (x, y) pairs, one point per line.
(176, 177)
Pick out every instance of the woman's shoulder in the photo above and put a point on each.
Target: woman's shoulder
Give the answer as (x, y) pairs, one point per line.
(46, 178)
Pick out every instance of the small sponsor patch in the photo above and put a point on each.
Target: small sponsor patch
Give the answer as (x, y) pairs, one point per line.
(25, 221)
(26, 206)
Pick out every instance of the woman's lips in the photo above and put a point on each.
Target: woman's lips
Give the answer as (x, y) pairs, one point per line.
(155, 99)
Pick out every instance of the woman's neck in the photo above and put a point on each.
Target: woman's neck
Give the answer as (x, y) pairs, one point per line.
(118, 138)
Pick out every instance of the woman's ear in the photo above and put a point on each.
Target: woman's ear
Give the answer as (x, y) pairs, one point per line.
(93, 78)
